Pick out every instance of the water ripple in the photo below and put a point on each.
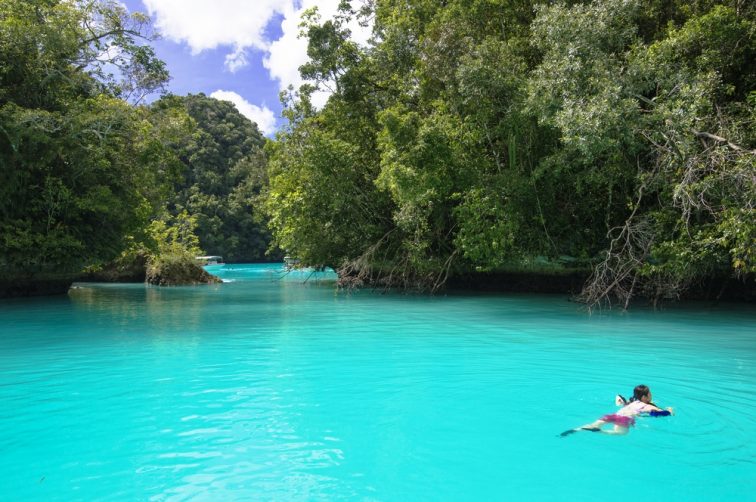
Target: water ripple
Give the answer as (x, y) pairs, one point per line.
(263, 389)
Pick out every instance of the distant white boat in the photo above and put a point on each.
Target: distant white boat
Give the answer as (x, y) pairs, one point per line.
(209, 260)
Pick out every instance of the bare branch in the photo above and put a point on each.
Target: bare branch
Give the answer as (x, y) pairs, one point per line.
(720, 139)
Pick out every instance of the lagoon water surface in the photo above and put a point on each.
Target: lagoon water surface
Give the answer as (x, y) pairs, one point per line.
(270, 389)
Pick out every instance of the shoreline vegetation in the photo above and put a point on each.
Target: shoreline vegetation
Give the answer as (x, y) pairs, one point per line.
(469, 139)
(601, 149)
(566, 282)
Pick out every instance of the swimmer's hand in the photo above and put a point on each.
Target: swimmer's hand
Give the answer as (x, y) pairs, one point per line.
(619, 400)
(671, 410)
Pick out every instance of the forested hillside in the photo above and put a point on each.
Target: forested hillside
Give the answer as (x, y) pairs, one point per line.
(81, 169)
(89, 173)
(615, 137)
(225, 168)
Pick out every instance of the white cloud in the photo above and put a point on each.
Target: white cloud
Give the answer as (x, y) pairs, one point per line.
(263, 117)
(236, 60)
(205, 24)
(239, 25)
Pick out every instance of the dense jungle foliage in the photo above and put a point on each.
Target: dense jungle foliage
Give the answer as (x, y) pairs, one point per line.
(88, 173)
(225, 171)
(615, 136)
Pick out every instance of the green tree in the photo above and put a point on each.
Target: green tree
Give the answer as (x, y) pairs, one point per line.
(224, 170)
(71, 188)
(493, 134)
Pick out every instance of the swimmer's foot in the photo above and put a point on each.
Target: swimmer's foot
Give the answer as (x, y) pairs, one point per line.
(567, 433)
(592, 429)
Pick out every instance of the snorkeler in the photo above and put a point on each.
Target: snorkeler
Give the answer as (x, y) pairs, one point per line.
(640, 404)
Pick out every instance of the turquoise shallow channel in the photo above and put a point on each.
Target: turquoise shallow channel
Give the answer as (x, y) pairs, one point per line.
(277, 387)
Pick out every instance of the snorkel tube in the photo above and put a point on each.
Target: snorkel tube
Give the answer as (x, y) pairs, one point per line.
(620, 400)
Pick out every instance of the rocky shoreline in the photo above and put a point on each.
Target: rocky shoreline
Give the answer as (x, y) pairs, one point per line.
(180, 272)
(166, 273)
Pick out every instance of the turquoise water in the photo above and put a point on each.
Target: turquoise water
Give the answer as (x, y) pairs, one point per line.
(270, 389)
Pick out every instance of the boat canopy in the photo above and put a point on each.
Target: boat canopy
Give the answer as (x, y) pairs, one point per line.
(210, 260)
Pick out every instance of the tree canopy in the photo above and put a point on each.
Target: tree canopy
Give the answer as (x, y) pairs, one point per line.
(78, 167)
(89, 172)
(614, 137)
(224, 171)
(475, 136)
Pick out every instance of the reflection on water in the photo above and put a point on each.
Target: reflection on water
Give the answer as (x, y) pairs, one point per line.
(272, 387)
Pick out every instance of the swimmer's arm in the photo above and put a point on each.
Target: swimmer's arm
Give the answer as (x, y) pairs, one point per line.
(658, 412)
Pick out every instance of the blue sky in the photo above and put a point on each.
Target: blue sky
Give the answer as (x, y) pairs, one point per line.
(243, 51)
